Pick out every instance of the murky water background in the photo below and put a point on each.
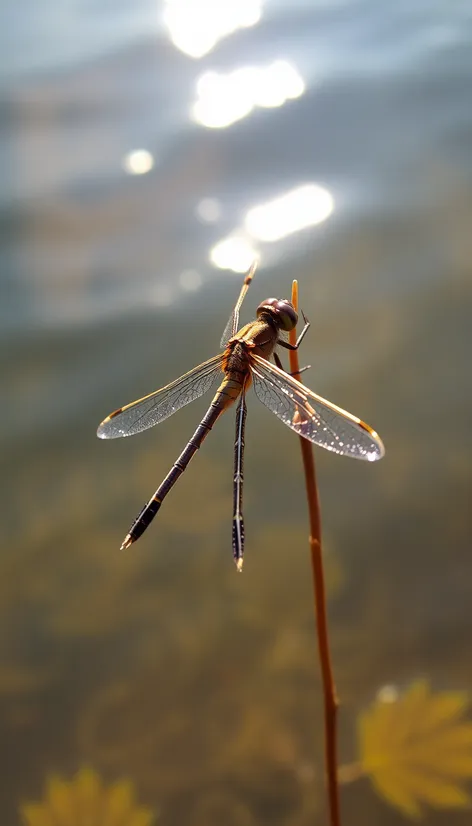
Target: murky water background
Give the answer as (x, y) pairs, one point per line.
(162, 664)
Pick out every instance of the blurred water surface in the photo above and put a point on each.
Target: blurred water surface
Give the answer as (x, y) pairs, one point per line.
(120, 211)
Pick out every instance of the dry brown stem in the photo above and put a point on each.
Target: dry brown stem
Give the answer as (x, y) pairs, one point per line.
(329, 689)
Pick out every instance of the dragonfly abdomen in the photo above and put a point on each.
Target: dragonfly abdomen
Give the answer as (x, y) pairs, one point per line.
(145, 517)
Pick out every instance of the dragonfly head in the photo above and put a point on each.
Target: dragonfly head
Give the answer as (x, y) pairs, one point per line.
(282, 312)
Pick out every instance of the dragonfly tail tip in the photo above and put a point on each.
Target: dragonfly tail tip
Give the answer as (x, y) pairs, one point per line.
(239, 565)
(127, 541)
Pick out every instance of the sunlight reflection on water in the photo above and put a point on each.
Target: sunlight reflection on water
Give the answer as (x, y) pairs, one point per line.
(196, 26)
(224, 99)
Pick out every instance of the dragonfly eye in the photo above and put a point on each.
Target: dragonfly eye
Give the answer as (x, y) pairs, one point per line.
(281, 310)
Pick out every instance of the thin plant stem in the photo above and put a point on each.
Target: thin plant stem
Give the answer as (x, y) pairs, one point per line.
(329, 689)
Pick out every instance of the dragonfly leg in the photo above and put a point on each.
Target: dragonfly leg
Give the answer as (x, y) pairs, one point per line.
(300, 338)
(277, 361)
(281, 367)
(302, 370)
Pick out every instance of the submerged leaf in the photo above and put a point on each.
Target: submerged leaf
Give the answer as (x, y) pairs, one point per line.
(417, 749)
(84, 801)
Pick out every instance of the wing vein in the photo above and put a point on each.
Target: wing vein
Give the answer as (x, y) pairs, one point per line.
(311, 416)
(158, 406)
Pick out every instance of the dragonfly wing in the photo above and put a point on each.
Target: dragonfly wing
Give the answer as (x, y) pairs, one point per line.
(230, 328)
(152, 409)
(312, 417)
(233, 323)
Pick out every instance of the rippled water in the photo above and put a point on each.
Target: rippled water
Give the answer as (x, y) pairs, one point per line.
(161, 664)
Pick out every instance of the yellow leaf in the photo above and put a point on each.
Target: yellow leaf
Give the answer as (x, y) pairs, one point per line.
(33, 814)
(61, 804)
(85, 794)
(395, 793)
(85, 801)
(141, 817)
(446, 706)
(417, 749)
(119, 803)
(432, 789)
(86, 788)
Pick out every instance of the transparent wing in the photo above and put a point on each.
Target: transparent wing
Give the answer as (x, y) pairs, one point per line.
(230, 329)
(233, 322)
(310, 416)
(152, 409)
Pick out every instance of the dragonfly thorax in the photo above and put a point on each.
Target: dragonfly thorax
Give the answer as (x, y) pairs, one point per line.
(281, 312)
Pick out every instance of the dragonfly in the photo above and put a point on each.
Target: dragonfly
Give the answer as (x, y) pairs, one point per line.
(245, 360)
